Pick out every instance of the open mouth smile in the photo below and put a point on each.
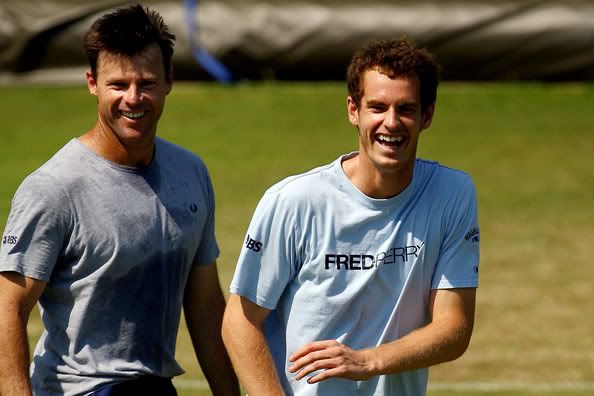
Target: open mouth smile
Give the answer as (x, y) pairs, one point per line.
(389, 140)
(133, 115)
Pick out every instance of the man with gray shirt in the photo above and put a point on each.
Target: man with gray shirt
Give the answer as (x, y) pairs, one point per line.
(112, 236)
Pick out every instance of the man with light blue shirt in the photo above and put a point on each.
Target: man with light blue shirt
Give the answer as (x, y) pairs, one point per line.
(357, 276)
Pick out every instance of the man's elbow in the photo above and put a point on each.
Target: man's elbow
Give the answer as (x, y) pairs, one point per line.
(462, 348)
(227, 326)
(461, 342)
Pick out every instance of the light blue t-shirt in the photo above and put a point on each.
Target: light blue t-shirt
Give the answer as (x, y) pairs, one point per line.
(333, 263)
(115, 245)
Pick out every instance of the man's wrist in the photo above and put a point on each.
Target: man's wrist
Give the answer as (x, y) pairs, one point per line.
(372, 363)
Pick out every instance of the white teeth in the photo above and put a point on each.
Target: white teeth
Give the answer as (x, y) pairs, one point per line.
(391, 139)
(133, 115)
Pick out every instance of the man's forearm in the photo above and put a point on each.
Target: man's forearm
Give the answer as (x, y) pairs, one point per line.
(204, 306)
(14, 355)
(433, 344)
(445, 338)
(211, 353)
(422, 348)
(250, 355)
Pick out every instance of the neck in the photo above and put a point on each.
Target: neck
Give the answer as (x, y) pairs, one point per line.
(110, 147)
(374, 182)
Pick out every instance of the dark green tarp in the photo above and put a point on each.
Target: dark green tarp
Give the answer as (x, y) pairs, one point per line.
(312, 40)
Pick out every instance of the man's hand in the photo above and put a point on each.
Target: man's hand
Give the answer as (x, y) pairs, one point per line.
(333, 359)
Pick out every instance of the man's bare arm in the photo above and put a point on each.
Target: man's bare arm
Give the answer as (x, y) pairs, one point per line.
(244, 338)
(204, 306)
(445, 338)
(18, 295)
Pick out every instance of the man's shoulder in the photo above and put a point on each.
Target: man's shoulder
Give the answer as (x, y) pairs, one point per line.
(64, 162)
(176, 154)
(441, 175)
(303, 184)
(441, 185)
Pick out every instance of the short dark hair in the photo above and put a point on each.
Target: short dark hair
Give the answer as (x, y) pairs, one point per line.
(394, 58)
(128, 31)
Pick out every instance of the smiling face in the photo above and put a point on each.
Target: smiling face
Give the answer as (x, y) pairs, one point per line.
(390, 120)
(131, 93)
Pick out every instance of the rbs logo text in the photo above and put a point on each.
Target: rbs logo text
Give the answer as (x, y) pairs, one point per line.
(252, 244)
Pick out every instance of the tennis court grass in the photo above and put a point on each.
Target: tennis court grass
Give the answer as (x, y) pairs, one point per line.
(528, 148)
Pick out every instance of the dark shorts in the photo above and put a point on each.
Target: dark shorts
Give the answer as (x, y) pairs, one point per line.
(145, 385)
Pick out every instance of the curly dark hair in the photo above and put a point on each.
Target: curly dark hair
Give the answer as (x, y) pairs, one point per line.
(128, 31)
(394, 58)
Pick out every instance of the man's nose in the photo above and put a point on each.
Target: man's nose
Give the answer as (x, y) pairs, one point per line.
(133, 95)
(392, 119)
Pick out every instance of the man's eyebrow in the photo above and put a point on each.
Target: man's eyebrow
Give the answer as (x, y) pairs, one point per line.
(375, 102)
(113, 80)
(409, 103)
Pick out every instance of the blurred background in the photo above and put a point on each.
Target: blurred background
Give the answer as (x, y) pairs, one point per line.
(233, 40)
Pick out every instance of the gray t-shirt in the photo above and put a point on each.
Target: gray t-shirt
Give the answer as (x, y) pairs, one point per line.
(116, 245)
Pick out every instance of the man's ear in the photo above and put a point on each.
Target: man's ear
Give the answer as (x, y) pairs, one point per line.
(353, 112)
(428, 116)
(91, 82)
(169, 79)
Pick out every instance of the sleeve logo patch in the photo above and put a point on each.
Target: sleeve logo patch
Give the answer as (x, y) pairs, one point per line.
(9, 240)
(252, 244)
(473, 235)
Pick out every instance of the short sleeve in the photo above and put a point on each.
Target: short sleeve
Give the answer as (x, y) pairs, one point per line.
(458, 261)
(208, 249)
(268, 259)
(36, 228)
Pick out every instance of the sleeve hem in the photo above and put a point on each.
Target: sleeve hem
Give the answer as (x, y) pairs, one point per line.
(252, 297)
(456, 284)
(28, 272)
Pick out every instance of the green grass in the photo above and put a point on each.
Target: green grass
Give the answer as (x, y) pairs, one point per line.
(529, 148)
(507, 393)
